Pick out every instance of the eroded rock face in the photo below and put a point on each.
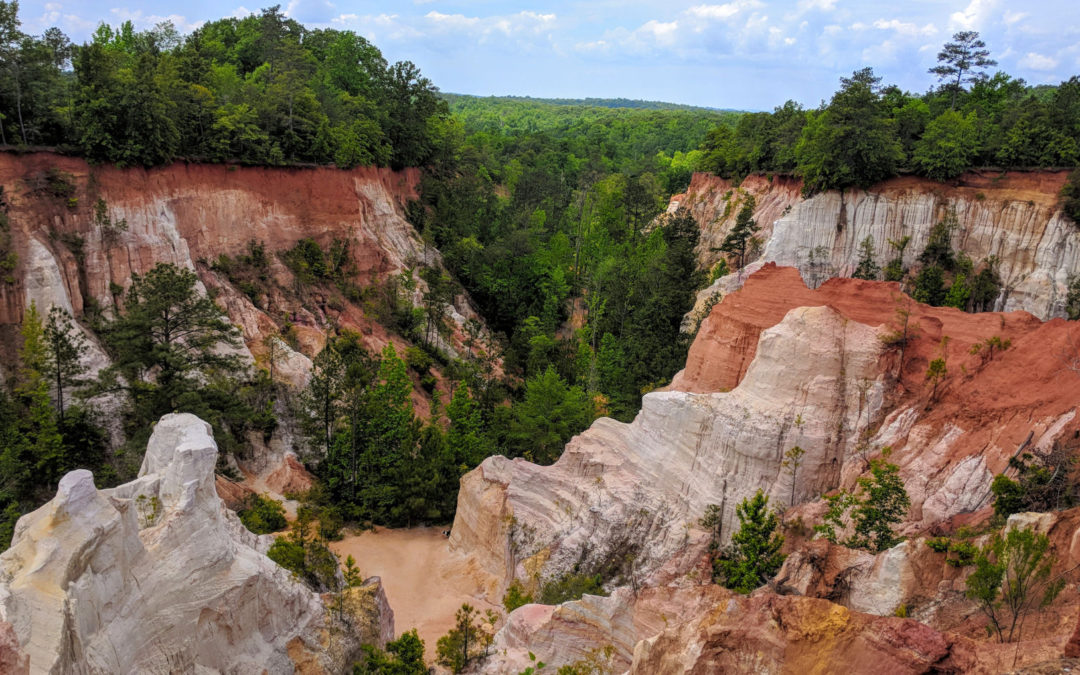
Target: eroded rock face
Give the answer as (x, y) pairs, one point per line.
(1014, 217)
(768, 354)
(774, 634)
(157, 576)
(636, 491)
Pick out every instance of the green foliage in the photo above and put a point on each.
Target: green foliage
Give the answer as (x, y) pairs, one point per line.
(403, 656)
(377, 461)
(964, 552)
(1072, 299)
(515, 596)
(306, 556)
(867, 268)
(965, 57)
(571, 586)
(867, 133)
(1070, 197)
(468, 641)
(1012, 578)
(258, 89)
(1045, 482)
(938, 544)
(720, 269)
(935, 374)
(737, 240)
(938, 251)
(852, 141)
(894, 270)
(930, 286)
(262, 515)
(550, 413)
(948, 146)
(170, 350)
(753, 557)
(879, 503)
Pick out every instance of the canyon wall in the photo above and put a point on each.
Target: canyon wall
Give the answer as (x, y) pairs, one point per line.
(1013, 216)
(775, 364)
(158, 576)
(189, 215)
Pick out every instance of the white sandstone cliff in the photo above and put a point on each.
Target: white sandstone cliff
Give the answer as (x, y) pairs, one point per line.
(157, 576)
(1013, 217)
(627, 497)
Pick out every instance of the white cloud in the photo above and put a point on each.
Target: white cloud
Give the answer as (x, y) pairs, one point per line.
(974, 15)
(522, 23)
(820, 5)
(905, 28)
(1012, 17)
(1036, 61)
(318, 12)
(722, 12)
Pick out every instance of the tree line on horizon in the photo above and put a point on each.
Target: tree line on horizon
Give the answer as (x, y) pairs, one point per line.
(868, 132)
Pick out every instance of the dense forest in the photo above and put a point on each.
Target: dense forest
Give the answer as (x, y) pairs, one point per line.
(261, 90)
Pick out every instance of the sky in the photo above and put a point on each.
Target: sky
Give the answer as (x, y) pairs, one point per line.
(743, 54)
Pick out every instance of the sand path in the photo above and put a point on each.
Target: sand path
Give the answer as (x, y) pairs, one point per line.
(424, 582)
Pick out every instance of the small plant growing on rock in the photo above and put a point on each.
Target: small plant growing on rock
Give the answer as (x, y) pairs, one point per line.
(867, 268)
(935, 373)
(902, 333)
(516, 596)
(149, 510)
(879, 504)
(985, 349)
(1011, 578)
(753, 557)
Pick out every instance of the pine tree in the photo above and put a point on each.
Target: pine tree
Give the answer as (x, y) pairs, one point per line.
(467, 444)
(966, 57)
(168, 339)
(47, 445)
(738, 240)
(753, 556)
(65, 346)
(867, 268)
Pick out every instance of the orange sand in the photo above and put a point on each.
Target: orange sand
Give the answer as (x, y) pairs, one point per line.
(424, 582)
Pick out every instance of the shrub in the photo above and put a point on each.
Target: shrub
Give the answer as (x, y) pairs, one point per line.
(330, 523)
(880, 503)
(1070, 197)
(571, 586)
(938, 544)
(1012, 576)
(1043, 483)
(516, 596)
(403, 656)
(262, 515)
(753, 557)
(287, 553)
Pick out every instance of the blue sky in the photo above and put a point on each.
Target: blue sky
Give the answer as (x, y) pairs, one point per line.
(747, 54)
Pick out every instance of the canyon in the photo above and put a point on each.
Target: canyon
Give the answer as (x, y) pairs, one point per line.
(788, 352)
